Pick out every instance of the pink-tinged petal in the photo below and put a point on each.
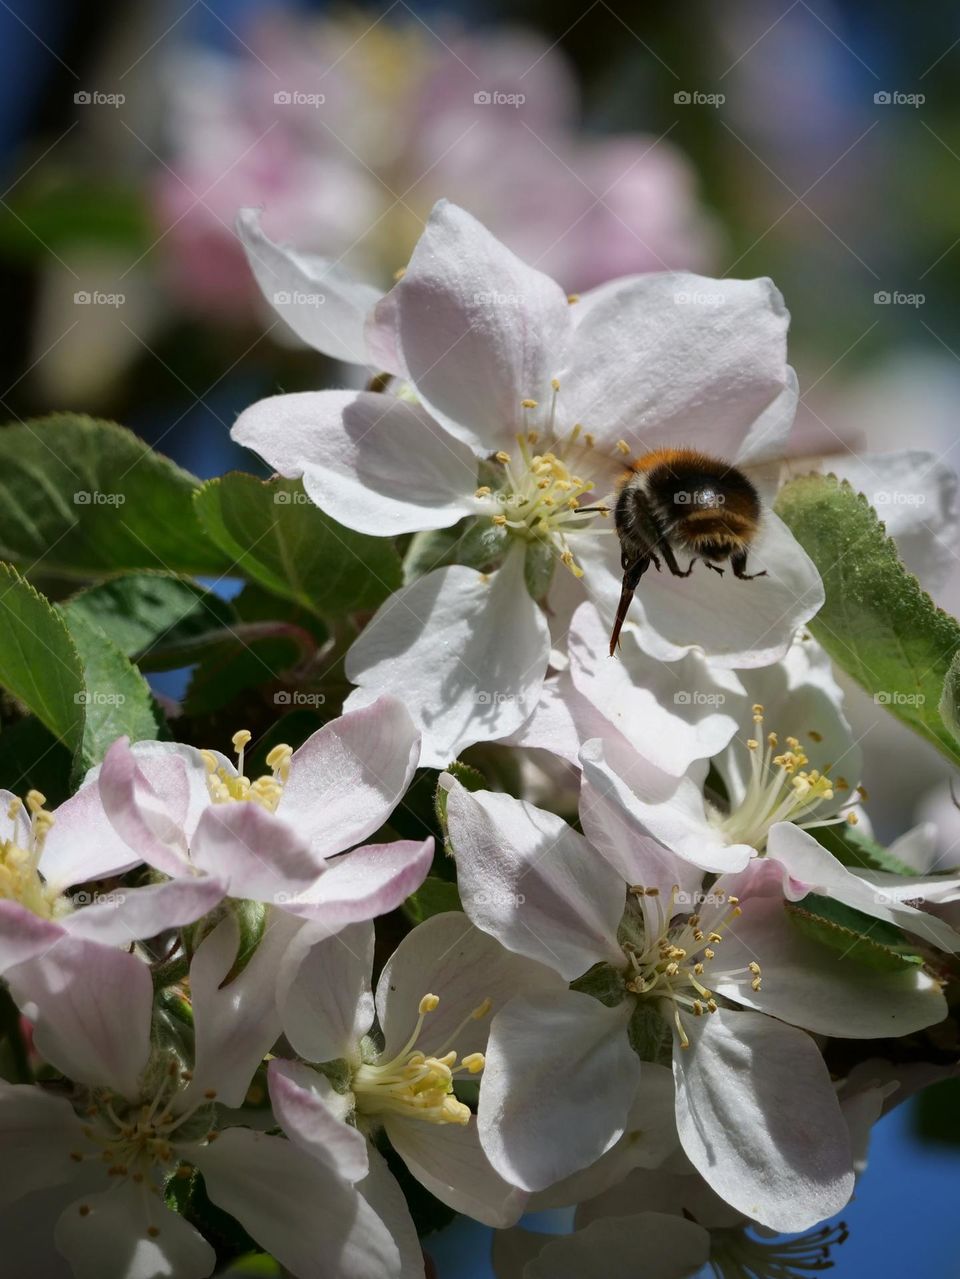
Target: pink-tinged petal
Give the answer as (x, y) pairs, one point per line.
(376, 464)
(323, 304)
(668, 810)
(313, 1115)
(671, 1248)
(365, 883)
(466, 650)
(672, 713)
(537, 1123)
(809, 868)
(314, 1223)
(734, 624)
(451, 958)
(478, 330)
(125, 1233)
(348, 777)
(254, 854)
(37, 1133)
(145, 818)
(826, 991)
(27, 1230)
(236, 1023)
(692, 359)
(382, 1192)
(556, 723)
(741, 1086)
(91, 1009)
(132, 914)
(613, 820)
(649, 1138)
(449, 1160)
(533, 882)
(324, 993)
(24, 935)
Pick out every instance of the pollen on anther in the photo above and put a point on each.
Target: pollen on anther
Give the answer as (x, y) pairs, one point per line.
(503, 457)
(428, 1004)
(623, 447)
(483, 491)
(153, 1231)
(572, 298)
(528, 404)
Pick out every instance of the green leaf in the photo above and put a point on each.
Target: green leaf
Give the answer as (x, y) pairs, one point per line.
(116, 699)
(877, 622)
(433, 897)
(280, 539)
(858, 851)
(158, 621)
(470, 779)
(31, 758)
(872, 942)
(82, 498)
(39, 663)
(949, 707)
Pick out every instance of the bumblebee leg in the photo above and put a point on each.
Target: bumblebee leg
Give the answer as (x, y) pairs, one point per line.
(654, 561)
(671, 561)
(716, 568)
(738, 563)
(631, 580)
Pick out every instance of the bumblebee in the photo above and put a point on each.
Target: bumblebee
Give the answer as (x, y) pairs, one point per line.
(676, 501)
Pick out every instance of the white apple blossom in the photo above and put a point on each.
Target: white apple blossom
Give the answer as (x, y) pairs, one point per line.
(394, 1059)
(86, 1161)
(519, 408)
(700, 962)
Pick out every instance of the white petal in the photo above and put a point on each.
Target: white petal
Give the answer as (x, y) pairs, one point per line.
(467, 650)
(628, 828)
(683, 1194)
(381, 1191)
(147, 818)
(529, 880)
(238, 1022)
(695, 361)
(814, 870)
(347, 777)
(313, 1115)
(109, 1236)
(91, 1008)
(807, 984)
(324, 994)
(365, 883)
(375, 463)
(553, 726)
(449, 957)
(670, 1248)
(478, 330)
(449, 1160)
(741, 1085)
(312, 1222)
(735, 624)
(253, 853)
(125, 915)
(37, 1133)
(323, 304)
(672, 713)
(539, 1123)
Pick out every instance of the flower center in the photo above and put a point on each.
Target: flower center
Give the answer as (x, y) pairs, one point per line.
(416, 1084)
(20, 878)
(780, 789)
(735, 1253)
(539, 496)
(670, 963)
(227, 787)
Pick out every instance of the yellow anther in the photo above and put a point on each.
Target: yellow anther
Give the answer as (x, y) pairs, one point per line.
(852, 819)
(502, 457)
(429, 1003)
(814, 735)
(241, 739)
(709, 954)
(757, 708)
(474, 1062)
(752, 744)
(589, 439)
(483, 491)
(555, 383)
(35, 801)
(528, 404)
(573, 297)
(482, 1010)
(623, 447)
